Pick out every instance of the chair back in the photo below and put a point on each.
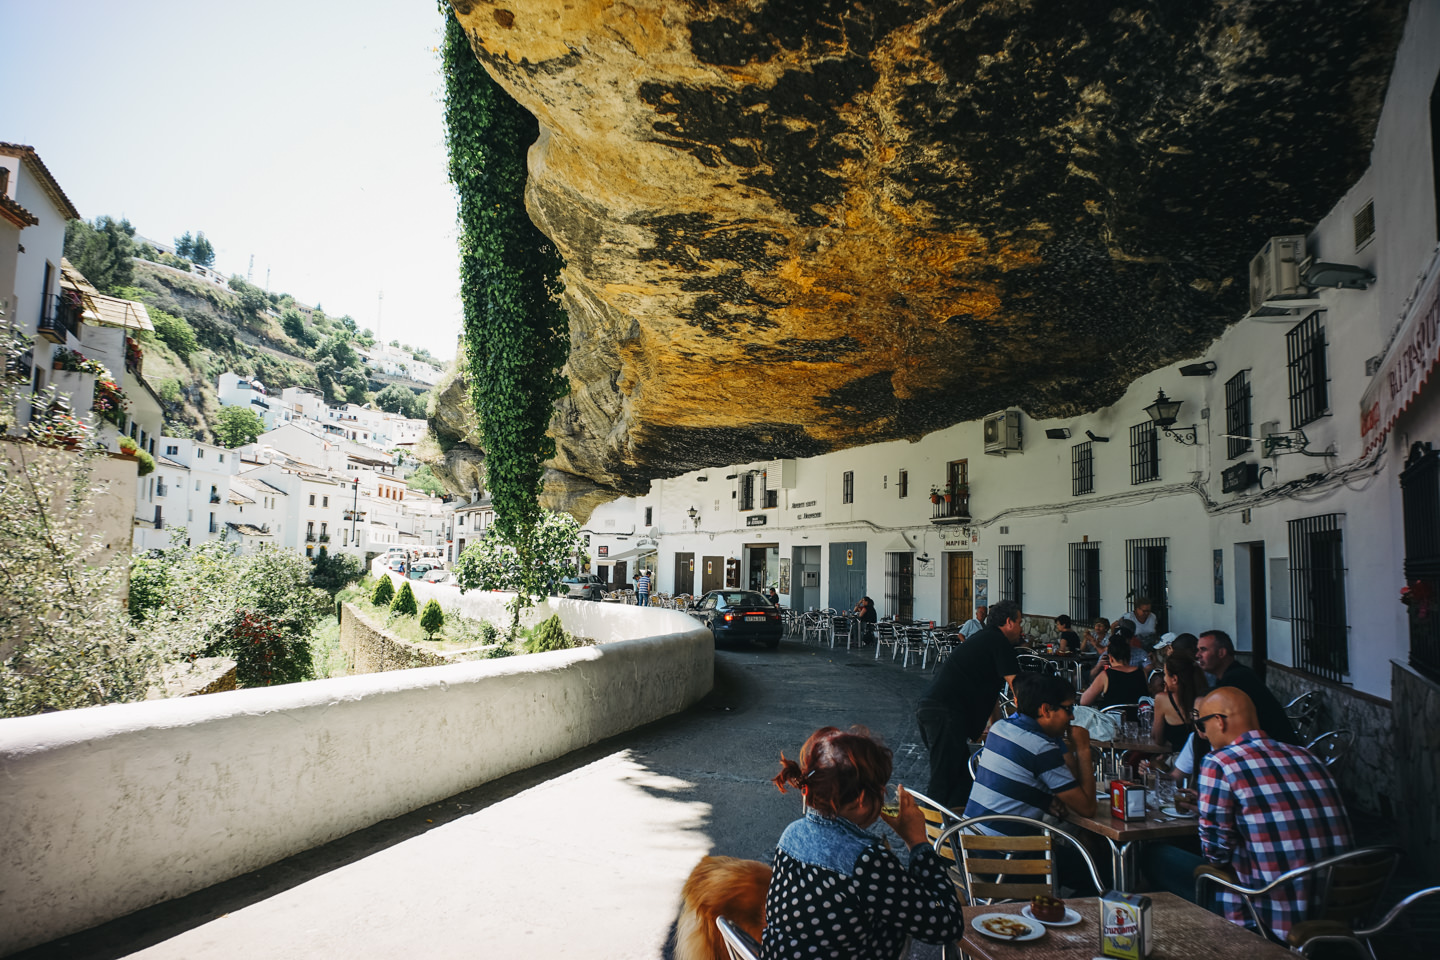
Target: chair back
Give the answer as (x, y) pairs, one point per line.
(937, 818)
(1348, 887)
(1303, 710)
(1332, 747)
(1030, 663)
(740, 944)
(991, 868)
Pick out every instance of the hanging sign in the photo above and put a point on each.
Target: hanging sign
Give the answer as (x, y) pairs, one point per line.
(1407, 364)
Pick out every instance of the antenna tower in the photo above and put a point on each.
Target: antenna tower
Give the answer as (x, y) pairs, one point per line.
(379, 311)
(250, 273)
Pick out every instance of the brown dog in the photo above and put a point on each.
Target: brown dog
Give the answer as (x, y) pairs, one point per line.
(720, 887)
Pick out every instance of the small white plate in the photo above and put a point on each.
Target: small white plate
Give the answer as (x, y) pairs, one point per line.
(1036, 929)
(1170, 810)
(1072, 917)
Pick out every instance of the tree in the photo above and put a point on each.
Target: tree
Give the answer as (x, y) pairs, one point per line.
(356, 384)
(404, 602)
(101, 251)
(425, 479)
(528, 569)
(432, 618)
(384, 591)
(402, 400)
(347, 323)
(337, 345)
(237, 426)
(185, 246)
(177, 333)
(334, 573)
(202, 252)
(294, 326)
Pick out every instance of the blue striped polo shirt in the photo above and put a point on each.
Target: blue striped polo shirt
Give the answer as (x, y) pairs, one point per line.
(1021, 770)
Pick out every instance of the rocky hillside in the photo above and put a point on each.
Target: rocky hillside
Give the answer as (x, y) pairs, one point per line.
(797, 226)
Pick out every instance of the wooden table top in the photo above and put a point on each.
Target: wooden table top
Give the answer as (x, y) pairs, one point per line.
(1155, 826)
(1180, 931)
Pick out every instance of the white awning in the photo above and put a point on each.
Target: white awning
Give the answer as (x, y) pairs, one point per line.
(1408, 361)
(624, 555)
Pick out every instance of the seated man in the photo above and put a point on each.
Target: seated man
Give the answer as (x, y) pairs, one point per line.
(1215, 652)
(1265, 807)
(1026, 767)
(974, 625)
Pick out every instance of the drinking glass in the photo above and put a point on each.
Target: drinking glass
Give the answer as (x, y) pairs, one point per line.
(1166, 791)
(1152, 790)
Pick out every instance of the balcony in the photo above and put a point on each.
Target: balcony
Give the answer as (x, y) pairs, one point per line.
(324, 538)
(310, 538)
(950, 508)
(59, 317)
(214, 498)
(214, 526)
(354, 514)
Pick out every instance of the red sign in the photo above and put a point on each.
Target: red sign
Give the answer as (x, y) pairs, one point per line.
(1407, 364)
(604, 551)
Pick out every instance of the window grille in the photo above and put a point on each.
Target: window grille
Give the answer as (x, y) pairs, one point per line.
(1420, 492)
(1309, 395)
(847, 488)
(1237, 415)
(1012, 574)
(1144, 453)
(903, 484)
(1084, 583)
(1147, 575)
(747, 491)
(1082, 469)
(1318, 629)
(900, 585)
(649, 516)
(772, 498)
(1364, 224)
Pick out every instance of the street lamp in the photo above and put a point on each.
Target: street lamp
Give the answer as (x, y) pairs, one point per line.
(1164, 412)
(694, 517)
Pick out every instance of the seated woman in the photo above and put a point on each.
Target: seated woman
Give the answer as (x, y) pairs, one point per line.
(1184, 681)
(1121, 682)
(838, 891)
(1069, 639)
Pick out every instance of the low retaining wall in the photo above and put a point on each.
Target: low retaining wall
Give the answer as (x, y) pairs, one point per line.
(107, 810)
(369, 649)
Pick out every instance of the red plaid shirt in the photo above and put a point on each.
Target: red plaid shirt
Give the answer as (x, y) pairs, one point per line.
(1267, 807)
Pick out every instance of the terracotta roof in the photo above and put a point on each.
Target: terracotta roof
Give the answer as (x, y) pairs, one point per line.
(47, 181)
(114, 312)
(17, 214)
(247, 529)
(237, 497)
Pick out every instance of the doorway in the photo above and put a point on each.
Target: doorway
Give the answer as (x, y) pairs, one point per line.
(900, 585)
(763, 562)
(805, 579)
(622, 567)
(684, 573)
(847, 574)
(959, 586)
(712, 576)
(1251, 620)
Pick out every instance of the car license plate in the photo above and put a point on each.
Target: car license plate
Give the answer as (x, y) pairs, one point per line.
(761, 618)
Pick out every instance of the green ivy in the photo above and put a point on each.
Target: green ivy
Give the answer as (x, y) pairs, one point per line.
(516, 331)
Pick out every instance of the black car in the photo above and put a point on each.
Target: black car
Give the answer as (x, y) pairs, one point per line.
(739, 617)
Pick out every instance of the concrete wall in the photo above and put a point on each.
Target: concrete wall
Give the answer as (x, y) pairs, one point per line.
(1417, 762)
(369, 649)
(107, 810)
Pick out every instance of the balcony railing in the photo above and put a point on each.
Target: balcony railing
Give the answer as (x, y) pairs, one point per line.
(354, 514)
(214, 526)
(954, 509)
(309, 538)
(324, 538)
(214, 498)
(59, 316)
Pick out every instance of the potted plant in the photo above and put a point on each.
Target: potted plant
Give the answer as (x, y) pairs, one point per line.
(935, 494)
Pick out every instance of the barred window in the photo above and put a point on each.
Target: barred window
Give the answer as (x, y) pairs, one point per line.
(1082, 469)
(1237, 415)
(1309, 378)
(902, 484)
(1084, 582)
(1147, 577)
(847, 487)
(1318, 629)
(1144, 453)
(1012, 574)
(747, 491)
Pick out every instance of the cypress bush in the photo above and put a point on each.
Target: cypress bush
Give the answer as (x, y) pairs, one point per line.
(404, 602)
(432, 618)
(384, 591)
(549, 635)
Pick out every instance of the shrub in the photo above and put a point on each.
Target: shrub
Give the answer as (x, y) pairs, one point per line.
(489, 633)
(266, 652)
(383, 593)
(404, 603)
(433, 618)
(147, 463)
(129, 447)
(549, 635)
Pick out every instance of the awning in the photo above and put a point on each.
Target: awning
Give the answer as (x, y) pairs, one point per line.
(1408, 361)
(624, 555)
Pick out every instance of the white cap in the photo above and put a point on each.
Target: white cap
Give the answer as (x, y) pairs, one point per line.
(1166, 640)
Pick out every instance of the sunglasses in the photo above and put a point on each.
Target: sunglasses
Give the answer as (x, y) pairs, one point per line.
(1067, 707)
(1200, 721)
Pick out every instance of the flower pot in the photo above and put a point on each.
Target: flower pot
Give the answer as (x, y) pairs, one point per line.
(947, 497)
(934, 498)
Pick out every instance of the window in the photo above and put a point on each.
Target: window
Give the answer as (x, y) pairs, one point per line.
(1012, 574)
(1082, 469)
(221, 457)
(312, 499)
(847, 487)
(1318, 629)
(1309, 395)
(171, 451)
(747, 491)
(1147, 577)
(324, 501)
(323, 527)
(1084, 583)
(1237, 415)
(199, 454)
(1365, 224)
(900, 585)
(649, 516)
(1144, 453)
(902, 484)
(772, 499)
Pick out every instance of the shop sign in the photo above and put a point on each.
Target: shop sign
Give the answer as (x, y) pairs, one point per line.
(603, 551)
(1407, 363)
(756, 520)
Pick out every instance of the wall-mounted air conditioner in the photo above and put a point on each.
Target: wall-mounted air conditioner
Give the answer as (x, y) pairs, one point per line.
(1002, 433)
(1275, 272)
(779, 475)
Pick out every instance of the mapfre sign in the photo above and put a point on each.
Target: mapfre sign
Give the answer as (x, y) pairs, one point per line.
(1407, 363)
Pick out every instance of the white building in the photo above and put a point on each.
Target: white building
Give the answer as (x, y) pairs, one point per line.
(234, 390)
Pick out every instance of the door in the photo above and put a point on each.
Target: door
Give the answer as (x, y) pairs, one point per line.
(900, 585)
(805, 578)
(847, 574)
(960, 586)
(712, 576)
(621, 569)
(684, 573)
(757, 560)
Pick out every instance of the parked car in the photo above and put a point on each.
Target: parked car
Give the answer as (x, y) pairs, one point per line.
(586, 586)
(436, 575)
(396, 564)
(740, 617)
(419, 568)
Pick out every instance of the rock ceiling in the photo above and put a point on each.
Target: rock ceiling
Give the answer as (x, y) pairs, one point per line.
(797, 226)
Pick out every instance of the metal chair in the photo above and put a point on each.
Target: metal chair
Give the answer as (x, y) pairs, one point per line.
(740, 944)
(841, 627)
(987, 861)
(1303, 711)
(885, 637)
(1344, 888)
(1332, 747)
(912, 640)
(1311, 933)
(1030, 663)
(937, 816)
(974, 762)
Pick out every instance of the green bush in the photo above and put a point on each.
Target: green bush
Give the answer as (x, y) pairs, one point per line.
(147, 463)
(433, 618)
(404, 603)
(383, 593)
(549, 635)
(489, 633)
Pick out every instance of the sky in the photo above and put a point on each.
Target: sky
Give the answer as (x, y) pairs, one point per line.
(309, 133)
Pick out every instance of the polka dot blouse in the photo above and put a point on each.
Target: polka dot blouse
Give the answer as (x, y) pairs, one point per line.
(838, 891)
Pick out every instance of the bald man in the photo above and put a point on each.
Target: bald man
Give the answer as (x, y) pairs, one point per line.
(1265, 807)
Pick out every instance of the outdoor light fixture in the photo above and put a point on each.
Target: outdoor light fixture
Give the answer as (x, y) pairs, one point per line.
(1095, 439)
(1058, 433)
(1164, 412)
(694, 517)
(1202, 369)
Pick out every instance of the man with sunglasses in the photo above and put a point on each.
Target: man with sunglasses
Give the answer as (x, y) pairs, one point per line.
(1265, 807)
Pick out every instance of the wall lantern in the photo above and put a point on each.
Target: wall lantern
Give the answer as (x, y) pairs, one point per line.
(1164, 412)
(694, 516)
(1058, 433)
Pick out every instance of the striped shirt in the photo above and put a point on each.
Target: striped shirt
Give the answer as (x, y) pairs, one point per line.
(1021, 770)
(1267, 807)
(642, 583)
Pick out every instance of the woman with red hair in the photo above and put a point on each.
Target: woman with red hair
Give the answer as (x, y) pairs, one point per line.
(837, 890)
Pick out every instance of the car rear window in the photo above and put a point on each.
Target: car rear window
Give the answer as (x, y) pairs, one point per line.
(745, 600)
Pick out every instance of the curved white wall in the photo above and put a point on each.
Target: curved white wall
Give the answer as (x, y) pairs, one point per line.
(107, 810)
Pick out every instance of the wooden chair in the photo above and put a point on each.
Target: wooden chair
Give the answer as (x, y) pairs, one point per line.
(991, 869)
(1332, 747)
(937, 818)
(1309, 934)
(740, 944)
(1341, 889)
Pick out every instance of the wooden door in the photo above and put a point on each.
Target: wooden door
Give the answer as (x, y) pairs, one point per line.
(621, 569)
(960, 586)
(712, 576)
(684, 573)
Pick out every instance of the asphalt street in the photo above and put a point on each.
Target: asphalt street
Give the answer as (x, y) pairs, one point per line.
(581, 857)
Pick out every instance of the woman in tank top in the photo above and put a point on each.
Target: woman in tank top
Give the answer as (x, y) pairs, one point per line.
(1120, 683)
(1184, 681)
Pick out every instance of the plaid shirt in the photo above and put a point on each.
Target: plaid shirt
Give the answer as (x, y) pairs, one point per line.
(1267, 807)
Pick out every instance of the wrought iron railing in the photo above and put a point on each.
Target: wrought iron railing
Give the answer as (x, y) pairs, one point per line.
(956, 507)
(59, 316)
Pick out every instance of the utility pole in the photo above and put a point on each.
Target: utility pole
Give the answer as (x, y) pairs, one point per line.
(250, 273)
(355, 515)
(267, 280)
(379, 311)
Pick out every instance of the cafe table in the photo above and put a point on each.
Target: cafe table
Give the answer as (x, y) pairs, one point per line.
(1179, 931)
(1123, 835)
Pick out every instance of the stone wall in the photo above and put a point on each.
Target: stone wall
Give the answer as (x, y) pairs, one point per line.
(369, 649)
(1417, 764)
(1369, 777)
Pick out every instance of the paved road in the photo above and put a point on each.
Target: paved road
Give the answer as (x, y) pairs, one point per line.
(583, 857)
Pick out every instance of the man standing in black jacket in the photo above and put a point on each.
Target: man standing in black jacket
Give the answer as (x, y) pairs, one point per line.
(1216, 655)
(959, 703)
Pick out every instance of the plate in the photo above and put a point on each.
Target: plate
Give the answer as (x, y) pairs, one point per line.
(1072, 917)
(1170, 810)
(1034, 929)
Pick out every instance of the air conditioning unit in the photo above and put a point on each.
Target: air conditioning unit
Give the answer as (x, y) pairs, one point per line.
(1275, 272)
(1002, 432)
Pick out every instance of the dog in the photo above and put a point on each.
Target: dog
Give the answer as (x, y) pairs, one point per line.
(720, 887)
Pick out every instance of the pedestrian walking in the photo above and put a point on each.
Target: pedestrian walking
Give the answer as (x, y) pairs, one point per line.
(642, 588)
